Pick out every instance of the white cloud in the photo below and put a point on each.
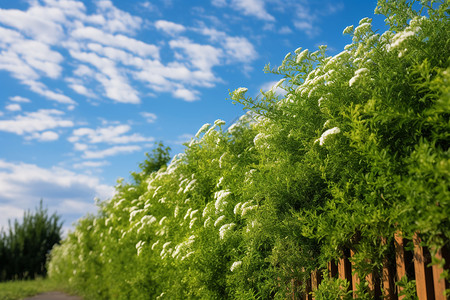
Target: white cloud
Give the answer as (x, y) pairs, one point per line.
(219, 3)
(37, 22)
(82, 90)
(119, 41)
(90, 164)
(150, 117)
(13, 107)
(39, 56)
(22, 186)
(42, 89)
(254, 8)
(9, 212)
(80, 146)
(108, 135)
(239, 49)
(20, 99)
(31, 122)
(169, 27)
(203, 57)
(285, 30)
(113, 19)
(38, 38)
(111, 152)
(46, 136)
(185, 94)
(114, 83)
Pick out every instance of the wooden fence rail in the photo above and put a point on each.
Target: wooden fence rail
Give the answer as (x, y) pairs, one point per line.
(414, 264)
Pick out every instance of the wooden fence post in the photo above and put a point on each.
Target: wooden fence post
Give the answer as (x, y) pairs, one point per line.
(440, 285)
(332, 269)
(345, 268)
(387, 277)
(399, 260)
(424, 277)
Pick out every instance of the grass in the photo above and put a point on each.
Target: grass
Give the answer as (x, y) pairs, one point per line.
(12, 290)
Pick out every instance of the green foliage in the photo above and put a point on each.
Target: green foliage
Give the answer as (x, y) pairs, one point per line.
(25, 246)
(333, 289)
(356, 150)
(158, 158)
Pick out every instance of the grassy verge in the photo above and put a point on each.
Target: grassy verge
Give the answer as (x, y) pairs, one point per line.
(12, 290)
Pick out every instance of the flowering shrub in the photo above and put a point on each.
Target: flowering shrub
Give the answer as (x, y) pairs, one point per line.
(355, 150)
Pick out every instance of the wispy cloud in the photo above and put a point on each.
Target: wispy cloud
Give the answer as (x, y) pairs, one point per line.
(149, 117)
(90, 164)
(38, 121)
(107, 135)
(104, 49)
(46, 136)
(20, 99)
(169, 27)
(254, 8)
(13, 107)
(115, 150)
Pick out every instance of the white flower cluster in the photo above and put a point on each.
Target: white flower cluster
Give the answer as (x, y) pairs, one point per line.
(323, 137)
(235, 265)
(202, 129)
(301, 56)
(243, 208)
(139, 247)
(183, 247)
(225, 229)
(220, 197)
(260, 141)
(400, 37)
(358, 74)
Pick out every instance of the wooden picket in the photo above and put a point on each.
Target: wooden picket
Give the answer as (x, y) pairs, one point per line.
(414, 264)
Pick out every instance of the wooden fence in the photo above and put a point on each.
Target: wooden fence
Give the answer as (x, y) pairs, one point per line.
(415, 264)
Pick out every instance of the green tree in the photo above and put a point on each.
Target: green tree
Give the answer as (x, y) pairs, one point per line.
(24, 246)
(158, 158)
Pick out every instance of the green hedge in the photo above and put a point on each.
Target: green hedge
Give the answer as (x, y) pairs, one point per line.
(355, 150)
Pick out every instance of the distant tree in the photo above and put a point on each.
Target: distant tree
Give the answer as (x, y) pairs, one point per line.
(158, 158)
(24, 246)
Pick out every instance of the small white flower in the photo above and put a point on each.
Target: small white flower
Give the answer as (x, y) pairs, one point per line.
(155, 244)
(237, 208)
(247, 209)
(207, 222)
(219, 219)
(361, 71)
(348, 30)
(287, 55)
(241, 90)
(235, 265)
(302, 56)
(190, 186)
(193, 213)
(187, 213)
(202, 129)
(219, 122)
(224, 229)
(191, 224)
(323, 137)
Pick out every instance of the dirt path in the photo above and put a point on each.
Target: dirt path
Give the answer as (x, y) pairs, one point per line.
(53, 296)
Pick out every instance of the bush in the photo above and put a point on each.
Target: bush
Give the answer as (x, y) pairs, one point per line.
(356, 150)
(25, 246)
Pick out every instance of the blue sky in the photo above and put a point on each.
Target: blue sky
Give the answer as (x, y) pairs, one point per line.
(87, 87)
